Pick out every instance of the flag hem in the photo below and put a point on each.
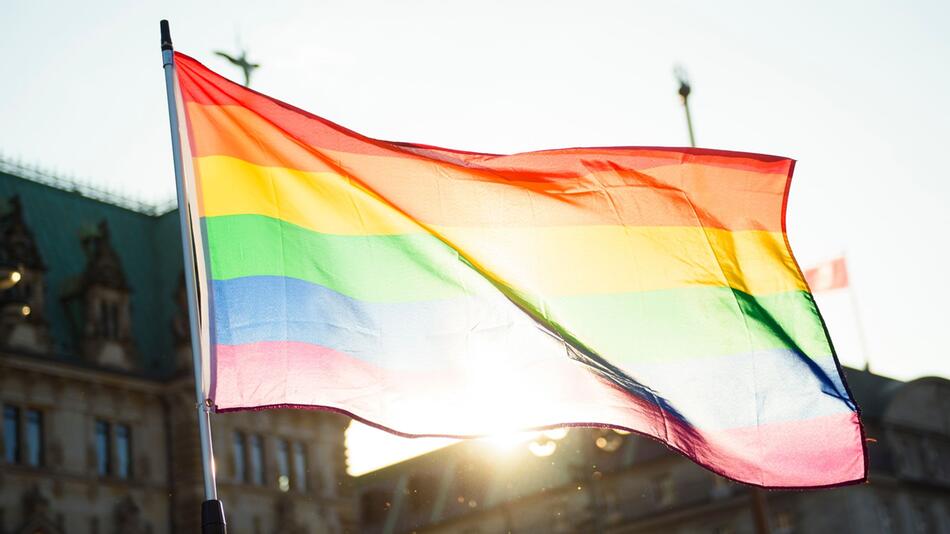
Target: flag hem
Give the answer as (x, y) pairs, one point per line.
(709, 467)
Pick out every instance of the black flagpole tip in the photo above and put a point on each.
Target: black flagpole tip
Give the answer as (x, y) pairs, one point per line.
(166, 36)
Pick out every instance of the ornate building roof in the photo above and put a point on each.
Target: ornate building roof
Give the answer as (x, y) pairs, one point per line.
(103, 266)
(17, 245)
(80, 240)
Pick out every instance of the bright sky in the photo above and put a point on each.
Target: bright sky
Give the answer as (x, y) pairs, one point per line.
(855, 91)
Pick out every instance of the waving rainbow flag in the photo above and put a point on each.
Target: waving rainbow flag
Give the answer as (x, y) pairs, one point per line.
(430, 291)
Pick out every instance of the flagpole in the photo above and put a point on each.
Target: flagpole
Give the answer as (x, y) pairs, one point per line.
(856, 310)
(212, 511)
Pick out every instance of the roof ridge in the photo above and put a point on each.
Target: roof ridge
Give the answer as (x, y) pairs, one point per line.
(86, 190)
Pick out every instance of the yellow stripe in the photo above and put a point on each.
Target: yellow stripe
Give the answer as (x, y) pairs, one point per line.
(561, 260)
(321, 201)
(608, 259)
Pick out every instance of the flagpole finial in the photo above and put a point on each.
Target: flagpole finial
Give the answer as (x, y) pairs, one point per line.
(166, 35)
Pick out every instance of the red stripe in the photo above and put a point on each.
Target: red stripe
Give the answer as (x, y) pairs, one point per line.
(203, 86)
(608, 186)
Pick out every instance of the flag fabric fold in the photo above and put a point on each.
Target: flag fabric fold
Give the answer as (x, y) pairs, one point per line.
(430, 291)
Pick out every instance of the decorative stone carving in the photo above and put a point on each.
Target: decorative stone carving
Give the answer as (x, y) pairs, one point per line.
(287, 523)
(99, 304)
(34, 502)
(103, 267)
(128, 517)
(36, 513)
(17, 245)
(54, 456)
(22, 322)
(143, 466)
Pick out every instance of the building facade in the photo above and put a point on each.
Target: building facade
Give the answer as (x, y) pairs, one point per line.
(99, 433)
(602, 481)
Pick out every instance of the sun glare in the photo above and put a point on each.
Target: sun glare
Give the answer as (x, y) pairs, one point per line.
(508, 441)
(369, 449)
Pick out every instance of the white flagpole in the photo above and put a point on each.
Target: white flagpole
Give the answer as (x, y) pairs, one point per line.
(856, 310)
(212, 511)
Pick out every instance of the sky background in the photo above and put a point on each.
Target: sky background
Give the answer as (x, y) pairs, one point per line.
(855, 91)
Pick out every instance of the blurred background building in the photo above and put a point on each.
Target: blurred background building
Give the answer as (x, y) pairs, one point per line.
(98, 433)
(602, 481)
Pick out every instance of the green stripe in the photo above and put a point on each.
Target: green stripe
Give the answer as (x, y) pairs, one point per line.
(689, 322)
(673, 323)
(380, 268)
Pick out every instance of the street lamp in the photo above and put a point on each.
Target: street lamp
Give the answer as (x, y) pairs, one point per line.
(758, 502)
(684, 91)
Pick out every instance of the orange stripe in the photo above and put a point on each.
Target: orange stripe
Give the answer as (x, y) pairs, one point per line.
(467, 193)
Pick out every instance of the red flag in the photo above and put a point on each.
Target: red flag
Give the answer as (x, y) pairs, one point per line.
(829, 275)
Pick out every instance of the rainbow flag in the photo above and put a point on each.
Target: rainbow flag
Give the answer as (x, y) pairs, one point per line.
(430, 291)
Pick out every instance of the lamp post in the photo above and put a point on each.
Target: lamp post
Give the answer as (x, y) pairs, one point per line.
(757, 501)
(684, 92)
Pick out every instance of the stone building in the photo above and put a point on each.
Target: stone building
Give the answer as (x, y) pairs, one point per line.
(602, 481)
(99, 433)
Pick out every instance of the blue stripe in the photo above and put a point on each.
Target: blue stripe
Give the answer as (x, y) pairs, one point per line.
(710, 392)
(417, 335)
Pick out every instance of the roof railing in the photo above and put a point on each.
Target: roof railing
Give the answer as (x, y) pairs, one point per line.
(85, 189)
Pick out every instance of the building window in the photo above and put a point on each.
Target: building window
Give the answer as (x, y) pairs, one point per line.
(108, 319)
(422, 491)
(374, 505)
(931, 458)
(300, 467)
(610, 501)
(886, 518)
(123, 451)
(283, 465)
(103, 449)
(560, 520)
(240, 455)
(721, 487)
(34, 438)
(113, 449)
(923, 520)
(22, 437)
(257, 459)
(664, 492)
(784, 523)
(11, 434)
(469, 482)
